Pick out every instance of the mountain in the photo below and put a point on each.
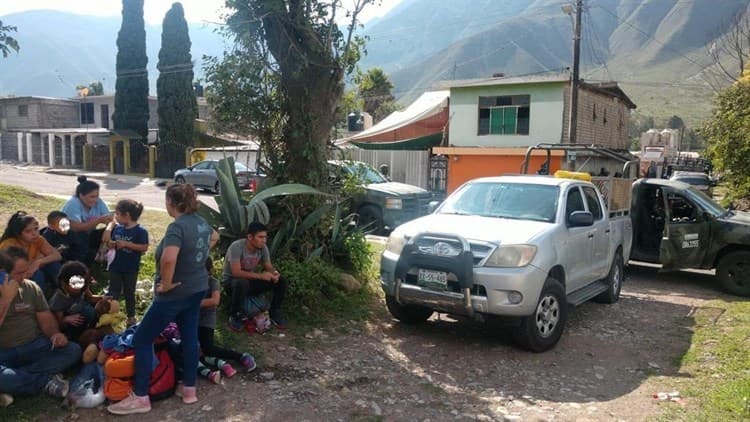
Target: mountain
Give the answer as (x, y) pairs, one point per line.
(655, 49)
(61, 50)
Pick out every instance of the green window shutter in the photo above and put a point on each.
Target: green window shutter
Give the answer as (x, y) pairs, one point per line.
(496, 121)
(509, 120)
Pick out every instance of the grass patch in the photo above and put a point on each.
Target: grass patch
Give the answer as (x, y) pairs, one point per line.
(718, 364)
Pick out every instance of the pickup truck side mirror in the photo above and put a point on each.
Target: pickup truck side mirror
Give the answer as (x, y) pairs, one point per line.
(432, 206)
(580, 219)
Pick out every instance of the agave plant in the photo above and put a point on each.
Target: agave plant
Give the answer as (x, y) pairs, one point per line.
(235, 211)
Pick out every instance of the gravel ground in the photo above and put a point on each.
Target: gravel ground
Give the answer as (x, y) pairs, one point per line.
(608, 365)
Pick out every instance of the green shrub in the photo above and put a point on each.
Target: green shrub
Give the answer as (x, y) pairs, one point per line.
(312, 283)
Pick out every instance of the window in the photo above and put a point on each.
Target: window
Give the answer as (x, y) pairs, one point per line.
(574, 202)
(592, 199)
(504, 115)
(23, 110)
(87, 113)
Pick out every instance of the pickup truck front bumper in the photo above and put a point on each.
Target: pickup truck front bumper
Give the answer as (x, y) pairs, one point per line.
(476, 289)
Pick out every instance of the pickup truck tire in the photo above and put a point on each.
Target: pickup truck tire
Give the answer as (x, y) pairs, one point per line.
(613, 280)
(733, 273)
(408, 314)
(541, 330)
(370, 219)
(179, 180)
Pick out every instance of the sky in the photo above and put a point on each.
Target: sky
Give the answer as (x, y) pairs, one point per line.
(154, 10)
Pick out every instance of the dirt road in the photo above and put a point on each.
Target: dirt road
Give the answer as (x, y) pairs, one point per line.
(609, 363)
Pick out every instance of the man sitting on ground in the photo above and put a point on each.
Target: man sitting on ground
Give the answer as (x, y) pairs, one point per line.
(33, 351)
(249, 272)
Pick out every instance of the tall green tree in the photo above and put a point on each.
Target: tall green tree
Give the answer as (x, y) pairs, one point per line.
(374, 88)
(7, 43)
(131, 89)
(289, 59)
(94, 88)
(727, 136)
(177, 105)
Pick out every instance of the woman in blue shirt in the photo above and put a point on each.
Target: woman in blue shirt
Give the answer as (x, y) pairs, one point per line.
(86, 211)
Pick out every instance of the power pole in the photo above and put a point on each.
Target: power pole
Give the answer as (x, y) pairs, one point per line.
(573, 115)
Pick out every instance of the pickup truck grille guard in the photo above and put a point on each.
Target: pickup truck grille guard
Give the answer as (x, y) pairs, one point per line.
(414, 254)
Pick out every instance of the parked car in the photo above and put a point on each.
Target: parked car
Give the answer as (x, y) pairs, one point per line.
(203, 175)
(700, 181)
(516, 247)
(383, 205)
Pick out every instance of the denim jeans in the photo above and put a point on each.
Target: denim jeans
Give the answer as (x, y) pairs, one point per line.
(185, 312)
(26, 369)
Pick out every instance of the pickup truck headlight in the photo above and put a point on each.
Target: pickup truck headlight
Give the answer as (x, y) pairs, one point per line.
(393, 203)
(395, 244)
(511, 256)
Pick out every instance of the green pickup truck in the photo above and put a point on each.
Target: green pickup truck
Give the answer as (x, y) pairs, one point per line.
(382, 205)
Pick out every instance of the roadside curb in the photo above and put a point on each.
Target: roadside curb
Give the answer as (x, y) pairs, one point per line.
(123, 178)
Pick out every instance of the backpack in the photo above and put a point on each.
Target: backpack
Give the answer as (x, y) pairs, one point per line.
(163, 382)
(255, 305)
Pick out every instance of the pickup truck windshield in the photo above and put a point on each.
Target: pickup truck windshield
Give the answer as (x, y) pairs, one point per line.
(504, 200)
(365, 174)
(705, 202)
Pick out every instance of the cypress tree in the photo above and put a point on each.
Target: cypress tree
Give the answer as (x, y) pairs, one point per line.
(177, 105)
(131, 90)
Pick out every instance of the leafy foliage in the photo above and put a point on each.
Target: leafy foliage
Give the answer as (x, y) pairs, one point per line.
(728, 137)
(286, 71)
(177, 104)
(94, 88)
(375, 90)
(7, 43)
(131, 89)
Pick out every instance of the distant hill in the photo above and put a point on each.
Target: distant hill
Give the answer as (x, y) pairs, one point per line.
(656, 49)
(61, 50)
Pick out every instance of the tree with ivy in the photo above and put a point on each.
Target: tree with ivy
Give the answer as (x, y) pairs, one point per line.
(131, 89)
(375, 88)
(727, 136)
(283, 80)
(7, 43)
(177, 105)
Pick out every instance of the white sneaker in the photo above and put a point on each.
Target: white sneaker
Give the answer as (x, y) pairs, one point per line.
(5, 400)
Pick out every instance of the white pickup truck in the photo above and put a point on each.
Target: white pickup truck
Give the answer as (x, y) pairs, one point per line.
(512, 246)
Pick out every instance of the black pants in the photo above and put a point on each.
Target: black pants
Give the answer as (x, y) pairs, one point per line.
(124, 284)
(242, 288)
(206, 340)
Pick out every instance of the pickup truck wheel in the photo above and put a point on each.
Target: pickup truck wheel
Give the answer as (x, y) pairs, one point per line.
(613, 280)
(408, 314)
(370, 219)
(541, 330)
(179, 179)
(733, 273)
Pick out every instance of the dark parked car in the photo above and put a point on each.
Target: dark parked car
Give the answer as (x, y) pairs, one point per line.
(203, 175)
(700, 181)
(383, 204)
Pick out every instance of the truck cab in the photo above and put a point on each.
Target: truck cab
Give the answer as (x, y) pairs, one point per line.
(680, 227)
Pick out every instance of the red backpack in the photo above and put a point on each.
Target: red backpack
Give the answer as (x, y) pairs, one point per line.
(163, 382)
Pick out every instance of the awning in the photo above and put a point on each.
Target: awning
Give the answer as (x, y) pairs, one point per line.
(419, 127)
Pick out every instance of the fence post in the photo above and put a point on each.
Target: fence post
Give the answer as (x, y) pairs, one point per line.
(152, 161)
(188, 157)
(87, 156)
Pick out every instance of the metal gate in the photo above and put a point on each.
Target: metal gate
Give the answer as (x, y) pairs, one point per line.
(439, 174)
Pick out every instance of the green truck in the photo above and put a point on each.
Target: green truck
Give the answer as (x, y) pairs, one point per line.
(381, 205)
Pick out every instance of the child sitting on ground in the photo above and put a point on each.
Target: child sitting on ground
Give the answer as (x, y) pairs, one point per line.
(58, 235)
(213, 355)
(73, 303)
(130, 241)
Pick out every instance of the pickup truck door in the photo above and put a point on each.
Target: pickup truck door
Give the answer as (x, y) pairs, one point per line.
(686, 233)
(600, 251)
(579, 244)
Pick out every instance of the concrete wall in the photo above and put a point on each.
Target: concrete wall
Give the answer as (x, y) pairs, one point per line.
(42, 113)
(545, 115)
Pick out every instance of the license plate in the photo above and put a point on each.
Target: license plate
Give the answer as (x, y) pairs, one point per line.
(432, 278)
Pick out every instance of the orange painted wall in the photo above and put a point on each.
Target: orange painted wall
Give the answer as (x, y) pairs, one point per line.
(462, 168)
